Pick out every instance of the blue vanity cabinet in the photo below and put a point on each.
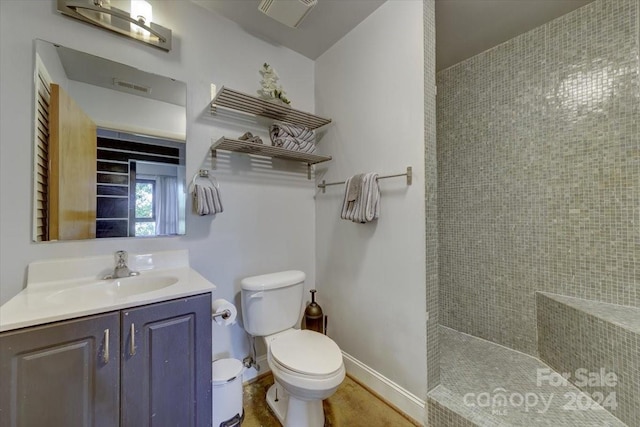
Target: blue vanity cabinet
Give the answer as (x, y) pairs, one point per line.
(145, 366)
(61, 374)
(166, 364)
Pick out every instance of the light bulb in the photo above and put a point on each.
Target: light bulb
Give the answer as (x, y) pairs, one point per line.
(142, 12)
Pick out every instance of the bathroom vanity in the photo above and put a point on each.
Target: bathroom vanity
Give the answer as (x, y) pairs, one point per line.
(125, 360)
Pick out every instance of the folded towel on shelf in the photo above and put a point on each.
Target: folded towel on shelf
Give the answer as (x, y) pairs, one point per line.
(361, 198)
(207, 199)
(292, 137)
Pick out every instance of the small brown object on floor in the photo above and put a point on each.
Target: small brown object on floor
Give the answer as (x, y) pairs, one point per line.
(350, 406)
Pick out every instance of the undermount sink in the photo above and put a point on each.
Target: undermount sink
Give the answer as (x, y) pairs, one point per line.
(115, 288)
(139, 285)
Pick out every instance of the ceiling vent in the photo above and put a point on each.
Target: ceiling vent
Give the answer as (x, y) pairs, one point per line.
(131, 86)
(288, 12)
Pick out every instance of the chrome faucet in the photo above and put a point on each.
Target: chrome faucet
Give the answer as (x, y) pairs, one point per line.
(121, 270)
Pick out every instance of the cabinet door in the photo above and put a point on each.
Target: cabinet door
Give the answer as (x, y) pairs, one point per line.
(62, 374)
(166, 364)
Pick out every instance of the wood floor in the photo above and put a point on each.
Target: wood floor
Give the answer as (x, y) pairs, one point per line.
(351, 406)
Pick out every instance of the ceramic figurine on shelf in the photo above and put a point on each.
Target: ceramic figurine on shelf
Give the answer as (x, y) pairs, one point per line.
(270, 89)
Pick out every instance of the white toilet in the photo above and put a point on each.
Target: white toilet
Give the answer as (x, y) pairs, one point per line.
(307, 366)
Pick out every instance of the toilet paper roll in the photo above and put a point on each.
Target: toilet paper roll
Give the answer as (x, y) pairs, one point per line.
(219, 306)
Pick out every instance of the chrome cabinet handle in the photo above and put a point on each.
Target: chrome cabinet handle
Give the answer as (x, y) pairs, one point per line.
(105, 352)
(132, 342)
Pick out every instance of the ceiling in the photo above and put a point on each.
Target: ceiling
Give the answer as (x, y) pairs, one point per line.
(326, 23)
(464, 28)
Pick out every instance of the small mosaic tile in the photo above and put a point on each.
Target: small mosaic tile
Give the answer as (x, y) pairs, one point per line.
(491, 385)
(539, 173)
(440, 415)
(431, 180)
(597, 347)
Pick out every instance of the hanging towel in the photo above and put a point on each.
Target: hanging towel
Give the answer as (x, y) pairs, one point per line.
(207, 199)
(354, 187)
(361, 198)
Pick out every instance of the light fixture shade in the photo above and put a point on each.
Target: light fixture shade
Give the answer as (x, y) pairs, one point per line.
(142, 12)
(97, 12)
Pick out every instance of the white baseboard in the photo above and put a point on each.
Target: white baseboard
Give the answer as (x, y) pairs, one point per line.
(402, 399)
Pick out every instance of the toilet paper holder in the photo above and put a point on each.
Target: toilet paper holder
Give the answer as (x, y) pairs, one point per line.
(225, 314)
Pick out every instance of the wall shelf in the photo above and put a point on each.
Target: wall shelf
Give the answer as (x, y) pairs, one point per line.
(247, 147)
(235, 100)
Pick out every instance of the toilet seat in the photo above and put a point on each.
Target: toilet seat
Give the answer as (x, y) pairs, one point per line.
(306, 353)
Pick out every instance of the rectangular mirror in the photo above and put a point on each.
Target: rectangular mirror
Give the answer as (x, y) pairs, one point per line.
(109, 149)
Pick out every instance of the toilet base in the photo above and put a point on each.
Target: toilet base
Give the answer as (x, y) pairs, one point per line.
(294, 412)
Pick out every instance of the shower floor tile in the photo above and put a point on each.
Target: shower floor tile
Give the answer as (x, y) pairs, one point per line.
(474, 371)
(350, 406)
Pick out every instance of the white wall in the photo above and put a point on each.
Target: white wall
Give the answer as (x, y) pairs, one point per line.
(268, 223)
(135, 114)
(371, 277)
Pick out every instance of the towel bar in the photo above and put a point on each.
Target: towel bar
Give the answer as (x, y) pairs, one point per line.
(408, 174)
(203, 173)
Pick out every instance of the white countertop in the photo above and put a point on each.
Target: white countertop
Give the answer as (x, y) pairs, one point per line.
(68, 297)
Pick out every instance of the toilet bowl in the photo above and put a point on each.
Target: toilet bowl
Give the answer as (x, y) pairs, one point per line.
(307, 366)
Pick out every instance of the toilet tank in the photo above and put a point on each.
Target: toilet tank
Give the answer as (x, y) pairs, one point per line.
(271, 302)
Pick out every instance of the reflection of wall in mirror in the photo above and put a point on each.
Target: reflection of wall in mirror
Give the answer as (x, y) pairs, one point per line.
(134, 114)
(112, 108)
(51, 61)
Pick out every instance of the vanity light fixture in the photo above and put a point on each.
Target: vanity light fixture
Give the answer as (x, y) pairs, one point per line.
(142, 12)
(138, 24)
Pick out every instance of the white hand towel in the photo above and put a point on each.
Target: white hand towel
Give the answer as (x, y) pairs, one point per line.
(207, 200)
(200, 200)
(355, 187)
(217, 200)
(366, 206)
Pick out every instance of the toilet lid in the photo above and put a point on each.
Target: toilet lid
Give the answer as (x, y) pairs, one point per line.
(307, 352)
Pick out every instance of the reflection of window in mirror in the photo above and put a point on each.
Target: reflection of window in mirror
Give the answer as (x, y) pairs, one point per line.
(140, 185)
(145, 207)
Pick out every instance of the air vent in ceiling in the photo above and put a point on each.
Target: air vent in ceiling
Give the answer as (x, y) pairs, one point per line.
(131, 86)
(288, 12)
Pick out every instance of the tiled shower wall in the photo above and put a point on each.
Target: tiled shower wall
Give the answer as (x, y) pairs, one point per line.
(431, 187)
(539, 173)
(594, 337)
